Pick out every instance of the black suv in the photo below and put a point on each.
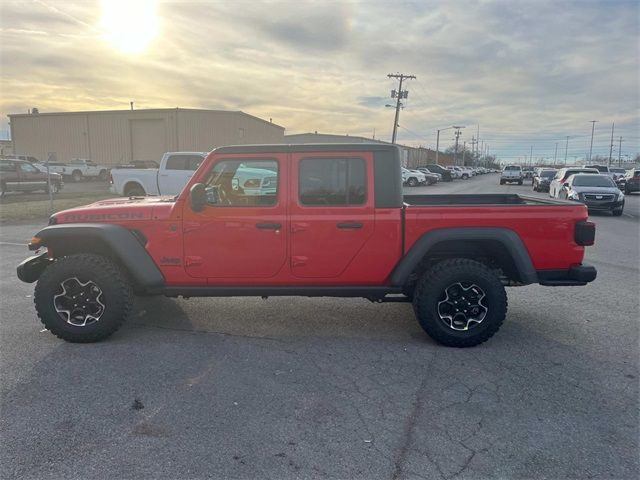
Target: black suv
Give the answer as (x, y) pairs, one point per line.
(434, 168)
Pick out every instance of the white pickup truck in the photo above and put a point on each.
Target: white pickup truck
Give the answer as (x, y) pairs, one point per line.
(81, 168)
(176, 168)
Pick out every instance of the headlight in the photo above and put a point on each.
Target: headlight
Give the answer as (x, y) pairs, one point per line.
(573, 196)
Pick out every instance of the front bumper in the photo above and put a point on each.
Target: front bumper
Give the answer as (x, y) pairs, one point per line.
(576, 275)
(603, 205)
(31, 268)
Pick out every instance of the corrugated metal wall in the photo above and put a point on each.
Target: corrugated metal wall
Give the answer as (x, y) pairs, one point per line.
(118, 137)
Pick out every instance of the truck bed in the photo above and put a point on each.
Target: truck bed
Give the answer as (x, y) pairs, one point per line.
(477, 199)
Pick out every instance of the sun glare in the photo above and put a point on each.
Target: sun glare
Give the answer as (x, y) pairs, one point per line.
(129, 25)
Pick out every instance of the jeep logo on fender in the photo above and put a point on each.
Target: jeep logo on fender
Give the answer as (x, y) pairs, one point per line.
(92, 217)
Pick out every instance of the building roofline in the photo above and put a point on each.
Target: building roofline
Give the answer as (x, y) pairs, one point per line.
(144, 110)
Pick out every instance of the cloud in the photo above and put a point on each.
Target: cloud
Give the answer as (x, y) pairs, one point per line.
(525, 71)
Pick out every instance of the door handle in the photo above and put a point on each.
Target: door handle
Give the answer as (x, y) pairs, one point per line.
(349, 226)
(269, 226)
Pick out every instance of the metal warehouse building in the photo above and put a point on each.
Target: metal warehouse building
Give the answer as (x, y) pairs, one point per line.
(120, 136)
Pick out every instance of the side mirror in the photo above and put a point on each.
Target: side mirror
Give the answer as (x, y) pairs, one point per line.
(198, 197)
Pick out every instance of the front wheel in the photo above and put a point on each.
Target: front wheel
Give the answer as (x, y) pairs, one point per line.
(519, 182)
(460, 302)
(83, 298)
(412, 182)
(76, 176)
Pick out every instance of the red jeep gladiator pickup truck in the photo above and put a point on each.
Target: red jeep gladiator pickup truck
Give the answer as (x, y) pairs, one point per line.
(306, 220)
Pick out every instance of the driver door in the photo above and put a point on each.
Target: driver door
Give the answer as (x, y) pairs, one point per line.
(241, 234)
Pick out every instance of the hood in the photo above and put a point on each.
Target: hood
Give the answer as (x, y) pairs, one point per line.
(115, 210)
(605, 190)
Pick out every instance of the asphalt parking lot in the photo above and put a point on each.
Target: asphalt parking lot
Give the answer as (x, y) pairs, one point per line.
(331, 388)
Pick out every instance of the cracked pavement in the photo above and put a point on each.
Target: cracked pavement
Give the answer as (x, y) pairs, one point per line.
(329, 388)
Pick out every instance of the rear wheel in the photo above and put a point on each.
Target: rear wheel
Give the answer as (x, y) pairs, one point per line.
(412, 182)
(501, 182)
(460, 302)
(83, 298)
(76, 176)
(519, 182)
(134, 190)
(103, 176)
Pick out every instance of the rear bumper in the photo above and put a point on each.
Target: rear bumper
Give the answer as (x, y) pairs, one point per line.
(577, 275)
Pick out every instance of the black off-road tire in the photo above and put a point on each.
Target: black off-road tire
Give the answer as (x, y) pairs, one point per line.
(431, 290)
(117, 296)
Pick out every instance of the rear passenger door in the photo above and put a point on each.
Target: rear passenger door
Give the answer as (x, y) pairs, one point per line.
(177, 172)
(332, 211)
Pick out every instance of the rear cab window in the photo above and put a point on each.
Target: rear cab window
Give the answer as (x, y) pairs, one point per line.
(184, 162)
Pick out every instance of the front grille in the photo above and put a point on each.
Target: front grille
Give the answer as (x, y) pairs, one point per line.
(599, 197)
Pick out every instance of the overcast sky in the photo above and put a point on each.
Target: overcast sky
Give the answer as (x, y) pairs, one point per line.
(529, 72)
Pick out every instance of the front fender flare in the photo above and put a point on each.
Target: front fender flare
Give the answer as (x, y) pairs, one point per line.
(508, 238)
(120, 241)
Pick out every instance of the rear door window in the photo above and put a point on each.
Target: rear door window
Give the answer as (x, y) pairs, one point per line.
(332, 181)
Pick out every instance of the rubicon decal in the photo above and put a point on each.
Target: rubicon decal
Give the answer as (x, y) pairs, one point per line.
(92, 217)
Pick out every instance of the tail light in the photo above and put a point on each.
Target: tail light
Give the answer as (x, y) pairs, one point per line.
(585, 233)
(110, 178)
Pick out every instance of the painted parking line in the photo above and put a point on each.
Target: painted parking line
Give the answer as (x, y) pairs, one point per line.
(14, 244)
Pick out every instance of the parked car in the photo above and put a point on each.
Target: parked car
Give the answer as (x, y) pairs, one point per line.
(320, 233)
(446, 174)
(527, 172)
(22, 176)
(601, 168)
(81, 168)
(413, 178)
(54, 167)
(511, 174)
(455, 174)
(597, 192)
(176, 168)
(542, 179)
(463, 172)
(617, 172)
(563, 175)
(431, 177)
(632, 183)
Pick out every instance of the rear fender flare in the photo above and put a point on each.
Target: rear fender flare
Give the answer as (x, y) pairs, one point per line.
(508, 238)
(121, 242)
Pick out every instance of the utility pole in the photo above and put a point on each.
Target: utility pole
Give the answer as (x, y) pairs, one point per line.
(566, 149)
(620, 152)
(531, 156)
(455, 154)
(593, 127)
(555, 155)
(438, 141)
(464, 150)
(399, 95)
(611, 146)
(474, 153)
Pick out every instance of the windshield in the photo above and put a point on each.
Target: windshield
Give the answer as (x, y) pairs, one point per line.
(592, 181)
(512, 168)
(617, 170)
(548, 173)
